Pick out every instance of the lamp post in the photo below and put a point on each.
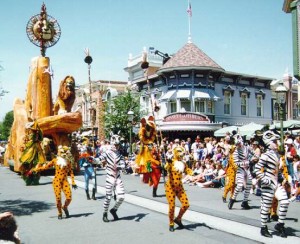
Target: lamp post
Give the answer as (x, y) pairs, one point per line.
(88, 59)
(281, 91)
(130, 116)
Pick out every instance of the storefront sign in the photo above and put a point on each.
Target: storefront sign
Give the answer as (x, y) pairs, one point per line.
(178, 117)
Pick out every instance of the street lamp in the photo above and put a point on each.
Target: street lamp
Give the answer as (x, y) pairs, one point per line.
(88, 59)
(130, 116)
(281, 91)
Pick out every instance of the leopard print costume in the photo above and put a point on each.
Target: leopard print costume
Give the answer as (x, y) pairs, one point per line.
(60, 182)
(174, 187)
(230, 175)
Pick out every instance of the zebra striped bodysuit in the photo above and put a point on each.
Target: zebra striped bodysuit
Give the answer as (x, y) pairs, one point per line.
(242, 173)
(114, 163)
(267, 172)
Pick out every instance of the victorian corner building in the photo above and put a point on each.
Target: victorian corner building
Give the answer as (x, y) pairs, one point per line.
(196, 95)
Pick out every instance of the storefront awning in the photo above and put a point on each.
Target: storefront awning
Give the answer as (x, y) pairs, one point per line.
(190, 127)
(169, 95)
(183, 94)
(206, 94)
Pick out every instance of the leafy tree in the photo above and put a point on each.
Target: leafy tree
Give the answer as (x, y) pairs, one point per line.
(6, 125)
(116, 118)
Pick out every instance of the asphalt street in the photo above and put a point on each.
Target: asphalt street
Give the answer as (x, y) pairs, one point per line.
(142, 218)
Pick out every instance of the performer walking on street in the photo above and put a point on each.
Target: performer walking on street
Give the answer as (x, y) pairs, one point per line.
(174, 187)
(114, 164)
(266, 171)
(63, 168)
(243, 176)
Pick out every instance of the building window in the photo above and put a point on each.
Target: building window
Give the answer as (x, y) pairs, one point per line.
(200, 106)
(244, 104)
(227, 102)
(185, 104)
(210, 107)
(295, 109)
(259, 105)
(173, 107)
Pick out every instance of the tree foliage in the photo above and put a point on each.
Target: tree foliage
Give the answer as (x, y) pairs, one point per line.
(6, 125)
(116, 117)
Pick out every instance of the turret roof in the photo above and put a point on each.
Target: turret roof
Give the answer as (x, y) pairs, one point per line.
(190, 56)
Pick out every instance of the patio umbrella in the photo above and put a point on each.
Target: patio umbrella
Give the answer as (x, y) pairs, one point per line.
(222, 132)
(249, 129)
(289, 124)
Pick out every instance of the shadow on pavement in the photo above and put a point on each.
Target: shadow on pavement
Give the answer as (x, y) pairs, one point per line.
(196, 225)
(21, 207)
(80, 215)
(137, 217)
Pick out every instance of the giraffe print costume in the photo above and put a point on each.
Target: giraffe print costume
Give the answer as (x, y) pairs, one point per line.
(174, 187)
(60, 183)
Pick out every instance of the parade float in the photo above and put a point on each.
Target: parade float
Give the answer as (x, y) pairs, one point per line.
(40, 126)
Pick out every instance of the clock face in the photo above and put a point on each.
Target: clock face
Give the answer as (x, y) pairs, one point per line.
(43, 30)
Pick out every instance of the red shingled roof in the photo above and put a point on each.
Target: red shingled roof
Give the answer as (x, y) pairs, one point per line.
(190, 56)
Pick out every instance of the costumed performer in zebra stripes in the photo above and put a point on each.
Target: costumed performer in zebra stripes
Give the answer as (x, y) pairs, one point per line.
(266, 171)
(114, 164)
(243, 174)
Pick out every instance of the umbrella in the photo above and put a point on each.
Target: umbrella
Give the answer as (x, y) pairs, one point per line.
(249, 129)
(222, 132)
(289, 124)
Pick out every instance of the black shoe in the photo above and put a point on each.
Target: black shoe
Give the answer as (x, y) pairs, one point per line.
(265, 232)
(171, 228)
(231, 202)
(179, 223)
(280, 228)
(245, 205)
(87, 195)
(59, 216)
(94, 193)
(114, 213)
(224, 199)
(66, 212)
(105, 219)
(274, 217)
(154, 192)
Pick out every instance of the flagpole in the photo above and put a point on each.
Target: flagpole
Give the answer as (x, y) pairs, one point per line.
(189, 11)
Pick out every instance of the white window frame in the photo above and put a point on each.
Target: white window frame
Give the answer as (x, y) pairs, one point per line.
(227, 102)
(259, 106)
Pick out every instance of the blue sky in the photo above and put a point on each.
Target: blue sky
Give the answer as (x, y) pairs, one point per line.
(251, 37)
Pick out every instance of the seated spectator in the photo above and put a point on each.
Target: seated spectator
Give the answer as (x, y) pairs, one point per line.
(218, 181)
(197, 171)
(8, 229)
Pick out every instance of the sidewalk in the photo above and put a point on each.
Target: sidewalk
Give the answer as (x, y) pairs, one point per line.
(207, 202)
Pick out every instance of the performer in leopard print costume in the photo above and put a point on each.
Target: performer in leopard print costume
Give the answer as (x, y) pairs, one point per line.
(174, 187)
(63, 168)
